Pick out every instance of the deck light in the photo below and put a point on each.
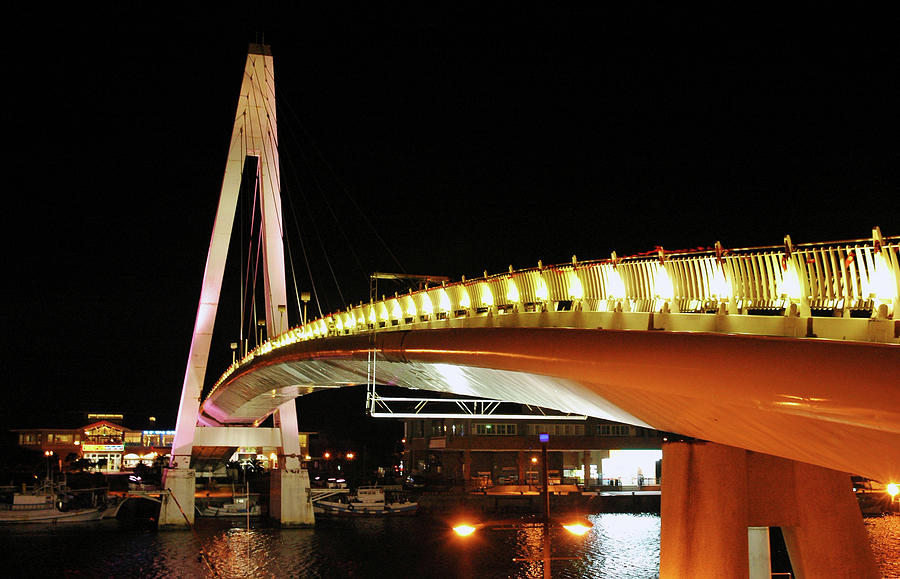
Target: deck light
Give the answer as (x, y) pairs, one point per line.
(664, 288)
(512, 292)
(576, 290)
(487, 298)
(464, 302)
(616, 287)
(444, 300)
(541, 291)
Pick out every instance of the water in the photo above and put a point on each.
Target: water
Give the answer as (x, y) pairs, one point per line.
(620, 545)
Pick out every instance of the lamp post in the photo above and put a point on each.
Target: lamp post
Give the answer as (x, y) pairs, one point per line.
(304, 297)
(48, 454)
(576, 527)
(545, 484)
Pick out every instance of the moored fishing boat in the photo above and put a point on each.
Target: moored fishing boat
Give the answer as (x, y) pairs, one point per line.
(52, 502)
(368, 501)
(238, 507)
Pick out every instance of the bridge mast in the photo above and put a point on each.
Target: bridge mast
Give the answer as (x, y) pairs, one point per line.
(254, 135)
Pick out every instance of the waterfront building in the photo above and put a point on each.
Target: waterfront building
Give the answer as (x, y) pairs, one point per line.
(106, 444)
(482, 453)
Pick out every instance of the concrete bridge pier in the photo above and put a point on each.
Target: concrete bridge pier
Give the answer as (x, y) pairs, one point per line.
(719, 501)
(177, 503)
(289, 498)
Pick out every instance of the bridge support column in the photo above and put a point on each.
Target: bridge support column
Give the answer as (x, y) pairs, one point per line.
(289, 498)
(177, 508)
(715, 497)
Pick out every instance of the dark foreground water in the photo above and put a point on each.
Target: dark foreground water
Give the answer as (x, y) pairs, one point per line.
(620, 545)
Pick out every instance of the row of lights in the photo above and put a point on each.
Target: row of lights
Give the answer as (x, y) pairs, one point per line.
(879, 286)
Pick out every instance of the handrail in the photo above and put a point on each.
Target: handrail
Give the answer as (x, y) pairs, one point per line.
(844, 279)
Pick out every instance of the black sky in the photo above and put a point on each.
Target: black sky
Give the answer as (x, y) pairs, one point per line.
(469, 140)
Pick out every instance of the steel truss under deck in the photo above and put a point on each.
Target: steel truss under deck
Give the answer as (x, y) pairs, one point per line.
(478, 408)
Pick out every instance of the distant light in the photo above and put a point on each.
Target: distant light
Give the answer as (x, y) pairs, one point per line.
(544, 437)
(534, 460)
(350, 456)
(464, 530)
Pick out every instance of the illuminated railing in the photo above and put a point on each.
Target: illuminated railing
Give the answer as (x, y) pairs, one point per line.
(849, 279)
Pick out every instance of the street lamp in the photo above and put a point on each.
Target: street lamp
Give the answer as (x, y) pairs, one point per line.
(577, 527)
(48, 454)
(304, 297)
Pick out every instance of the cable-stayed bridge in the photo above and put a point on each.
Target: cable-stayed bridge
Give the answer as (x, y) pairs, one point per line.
(784, 358)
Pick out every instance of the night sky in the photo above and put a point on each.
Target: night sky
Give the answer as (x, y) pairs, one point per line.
(446, 142)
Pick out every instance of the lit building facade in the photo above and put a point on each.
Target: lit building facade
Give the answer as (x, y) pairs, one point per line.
(107, 445)
(484, 453)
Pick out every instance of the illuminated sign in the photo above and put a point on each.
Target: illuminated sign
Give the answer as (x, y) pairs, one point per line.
(103, 447)
(162, 432)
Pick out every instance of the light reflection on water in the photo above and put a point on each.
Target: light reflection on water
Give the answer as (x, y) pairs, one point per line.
(619, 545)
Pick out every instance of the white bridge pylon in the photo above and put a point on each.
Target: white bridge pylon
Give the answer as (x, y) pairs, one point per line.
(254, 135)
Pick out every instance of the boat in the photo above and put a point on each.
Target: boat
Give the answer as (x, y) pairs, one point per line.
(873, 497)
(238, 507)
(52, 502)
(368, 501)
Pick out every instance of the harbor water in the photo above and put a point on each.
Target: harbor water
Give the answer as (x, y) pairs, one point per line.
(619, 545)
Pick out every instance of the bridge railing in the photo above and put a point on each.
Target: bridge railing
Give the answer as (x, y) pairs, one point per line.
(849, 279)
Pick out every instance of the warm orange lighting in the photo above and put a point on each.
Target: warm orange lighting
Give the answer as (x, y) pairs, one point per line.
(463, 530)
(893, 489)
(48, 453)
(327, 455)
(512, 292)
(350, 456)
(487, 298)
(534, 460)
(578, 527)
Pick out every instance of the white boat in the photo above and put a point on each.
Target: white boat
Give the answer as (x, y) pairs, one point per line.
(238, 507)
(52, 502)
(368, 501)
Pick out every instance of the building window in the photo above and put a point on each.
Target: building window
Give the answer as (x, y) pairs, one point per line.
(556, 429)
(616, 430)
(29, 438)
(496, 429)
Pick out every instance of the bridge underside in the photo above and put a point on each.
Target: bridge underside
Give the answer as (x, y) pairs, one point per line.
(830, 403)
